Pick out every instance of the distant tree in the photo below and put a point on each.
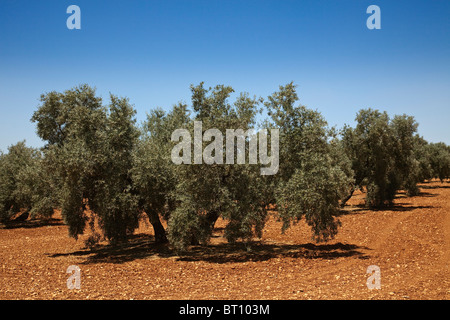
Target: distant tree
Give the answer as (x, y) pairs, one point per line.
(41, 185)
(18, 169)
(423, 156)
(384, 155)
(439, 158)
(370, 146)
(406, 172)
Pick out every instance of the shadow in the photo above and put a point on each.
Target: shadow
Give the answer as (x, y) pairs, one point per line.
(356, 209)
(32, 223)
(218, 232)
(404, 195)
(435, 186)
(427, 194)
(138, 246)
(143, 246)
(258, 251)
(401, 208)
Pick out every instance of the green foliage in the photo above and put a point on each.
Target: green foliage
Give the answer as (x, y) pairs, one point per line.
(99, 166)
(313, 192)
(314, 175)
(433, 159)
(38, 183)
(91, 148)
(17, 164)
(153, 172)
(439, 159)
(407, 169)
(384, 154)
(372, 147)
(26, 183)
(206, 192)
(113, 200)
(423, 156)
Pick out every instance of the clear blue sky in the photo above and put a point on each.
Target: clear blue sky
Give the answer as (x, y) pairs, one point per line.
(151, 51)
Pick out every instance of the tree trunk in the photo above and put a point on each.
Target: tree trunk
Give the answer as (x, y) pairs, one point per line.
(207, 224)
(158, 228)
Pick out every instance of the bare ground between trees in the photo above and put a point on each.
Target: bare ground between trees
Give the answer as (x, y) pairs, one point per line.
(409, 242)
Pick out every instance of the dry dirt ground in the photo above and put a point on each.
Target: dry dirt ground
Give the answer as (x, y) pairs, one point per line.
(410, 243)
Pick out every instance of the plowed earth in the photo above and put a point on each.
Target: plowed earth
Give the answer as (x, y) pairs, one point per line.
(410, 243)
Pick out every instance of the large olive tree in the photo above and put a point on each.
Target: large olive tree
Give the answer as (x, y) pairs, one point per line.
(90, 147)
(314, 174)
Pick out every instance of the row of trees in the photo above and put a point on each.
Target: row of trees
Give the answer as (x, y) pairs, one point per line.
(99, 167)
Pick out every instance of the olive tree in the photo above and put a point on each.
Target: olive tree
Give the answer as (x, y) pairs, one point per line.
(439, 157)
(222, 187)
(384, 155)
(153, 173)
(19, 163)
(90, 148)
(314, 174)
(406, 173)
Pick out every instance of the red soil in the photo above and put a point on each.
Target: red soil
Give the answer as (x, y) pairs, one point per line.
(409, 242)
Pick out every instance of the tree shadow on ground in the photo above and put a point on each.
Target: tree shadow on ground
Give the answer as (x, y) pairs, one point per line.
(361, 208)
(396, 207)
(139, 246)
(260, 251)
(435, 186)
(143, 246)
(404, 195)
(32, 223)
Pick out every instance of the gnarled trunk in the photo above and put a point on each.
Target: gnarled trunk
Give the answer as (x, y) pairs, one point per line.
(158, 228)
